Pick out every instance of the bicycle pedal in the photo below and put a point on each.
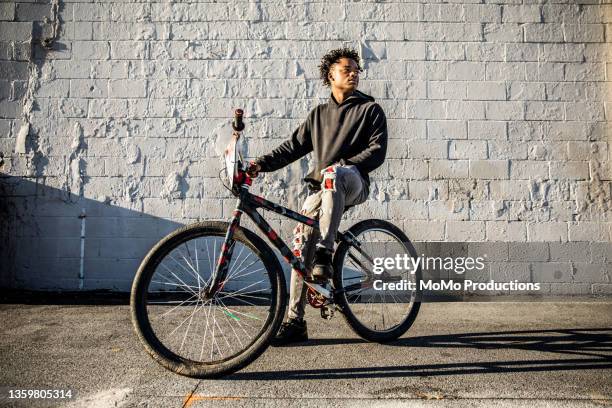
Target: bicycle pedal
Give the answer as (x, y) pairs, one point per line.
(327, 312)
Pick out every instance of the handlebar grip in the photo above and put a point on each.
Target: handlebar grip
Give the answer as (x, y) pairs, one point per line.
(237, 123)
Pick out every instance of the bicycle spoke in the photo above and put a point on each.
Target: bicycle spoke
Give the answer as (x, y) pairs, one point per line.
(233, 268)
(209, 329)
(179, 279)
(177, 327)
(170, 311)
(244, 301)
(240, 270)
(189, 324)
(379, 310)
(237, 321)
(210, 264)
(205, 331)
(240, 313)
(180, 264)
(247, 274)
(222, 334)
(248, 286)
(213, 340)
(242, 295)
(196, 273)
(172, 284)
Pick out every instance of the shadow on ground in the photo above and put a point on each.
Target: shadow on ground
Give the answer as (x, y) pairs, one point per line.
(594, 345)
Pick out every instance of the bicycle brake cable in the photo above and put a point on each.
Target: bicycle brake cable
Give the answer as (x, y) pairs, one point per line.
(221, 179)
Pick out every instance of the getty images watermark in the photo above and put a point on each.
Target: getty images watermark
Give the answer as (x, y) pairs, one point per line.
(458, 265)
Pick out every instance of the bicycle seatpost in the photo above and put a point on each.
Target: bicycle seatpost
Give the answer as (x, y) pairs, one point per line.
(237, 123)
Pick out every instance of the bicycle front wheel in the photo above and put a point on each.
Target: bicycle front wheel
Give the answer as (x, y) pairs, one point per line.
(371, 308)
(207, 336)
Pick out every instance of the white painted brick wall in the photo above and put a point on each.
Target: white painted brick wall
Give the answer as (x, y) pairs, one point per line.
(498, 115)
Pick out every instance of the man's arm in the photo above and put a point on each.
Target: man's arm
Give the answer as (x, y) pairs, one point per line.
(299, 145)
(374, 155)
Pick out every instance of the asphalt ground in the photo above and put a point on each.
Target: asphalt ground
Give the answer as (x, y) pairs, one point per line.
(456, 354)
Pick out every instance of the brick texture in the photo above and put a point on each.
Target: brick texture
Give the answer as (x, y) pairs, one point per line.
(498, 114)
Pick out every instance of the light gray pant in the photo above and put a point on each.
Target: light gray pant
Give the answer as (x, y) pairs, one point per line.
(341, 186)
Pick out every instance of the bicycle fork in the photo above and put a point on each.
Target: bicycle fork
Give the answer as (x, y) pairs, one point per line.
(222, 264)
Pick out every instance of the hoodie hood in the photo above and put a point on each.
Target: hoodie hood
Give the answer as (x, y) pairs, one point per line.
(355, 97)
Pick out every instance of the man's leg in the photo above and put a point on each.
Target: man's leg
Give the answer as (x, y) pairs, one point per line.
(341, 186)
(305, 237)
(304, 241)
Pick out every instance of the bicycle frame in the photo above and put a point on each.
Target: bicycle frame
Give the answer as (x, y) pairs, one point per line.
(248, 203)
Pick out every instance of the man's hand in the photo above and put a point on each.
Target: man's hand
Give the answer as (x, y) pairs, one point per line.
(253, 169)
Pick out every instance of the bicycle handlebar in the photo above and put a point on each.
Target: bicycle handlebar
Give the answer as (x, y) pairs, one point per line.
(237, 123)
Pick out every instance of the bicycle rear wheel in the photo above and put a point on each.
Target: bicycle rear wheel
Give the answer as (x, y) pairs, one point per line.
(199, 336)
(375, 314)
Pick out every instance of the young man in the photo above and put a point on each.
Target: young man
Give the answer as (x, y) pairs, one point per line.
(348, 136)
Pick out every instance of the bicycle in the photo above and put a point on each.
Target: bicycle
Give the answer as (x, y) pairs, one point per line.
(208, 297)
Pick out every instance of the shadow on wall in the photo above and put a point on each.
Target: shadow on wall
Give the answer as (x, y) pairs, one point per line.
(40, 239)
(40, 232)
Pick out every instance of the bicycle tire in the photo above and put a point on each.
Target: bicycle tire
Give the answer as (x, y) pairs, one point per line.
(367, 333)
(138, 302)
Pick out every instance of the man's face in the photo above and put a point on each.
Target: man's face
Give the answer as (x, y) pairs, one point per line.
(344, 75)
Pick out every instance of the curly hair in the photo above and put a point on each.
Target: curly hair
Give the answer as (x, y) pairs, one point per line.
(334, 56)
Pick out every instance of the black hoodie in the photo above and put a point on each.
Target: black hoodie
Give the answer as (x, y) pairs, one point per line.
(352, 132)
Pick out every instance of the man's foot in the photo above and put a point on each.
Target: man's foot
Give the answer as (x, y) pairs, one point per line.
(322, 269)
(291, 331)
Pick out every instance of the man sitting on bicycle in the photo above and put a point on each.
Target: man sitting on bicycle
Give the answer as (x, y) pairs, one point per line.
(348, 136)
